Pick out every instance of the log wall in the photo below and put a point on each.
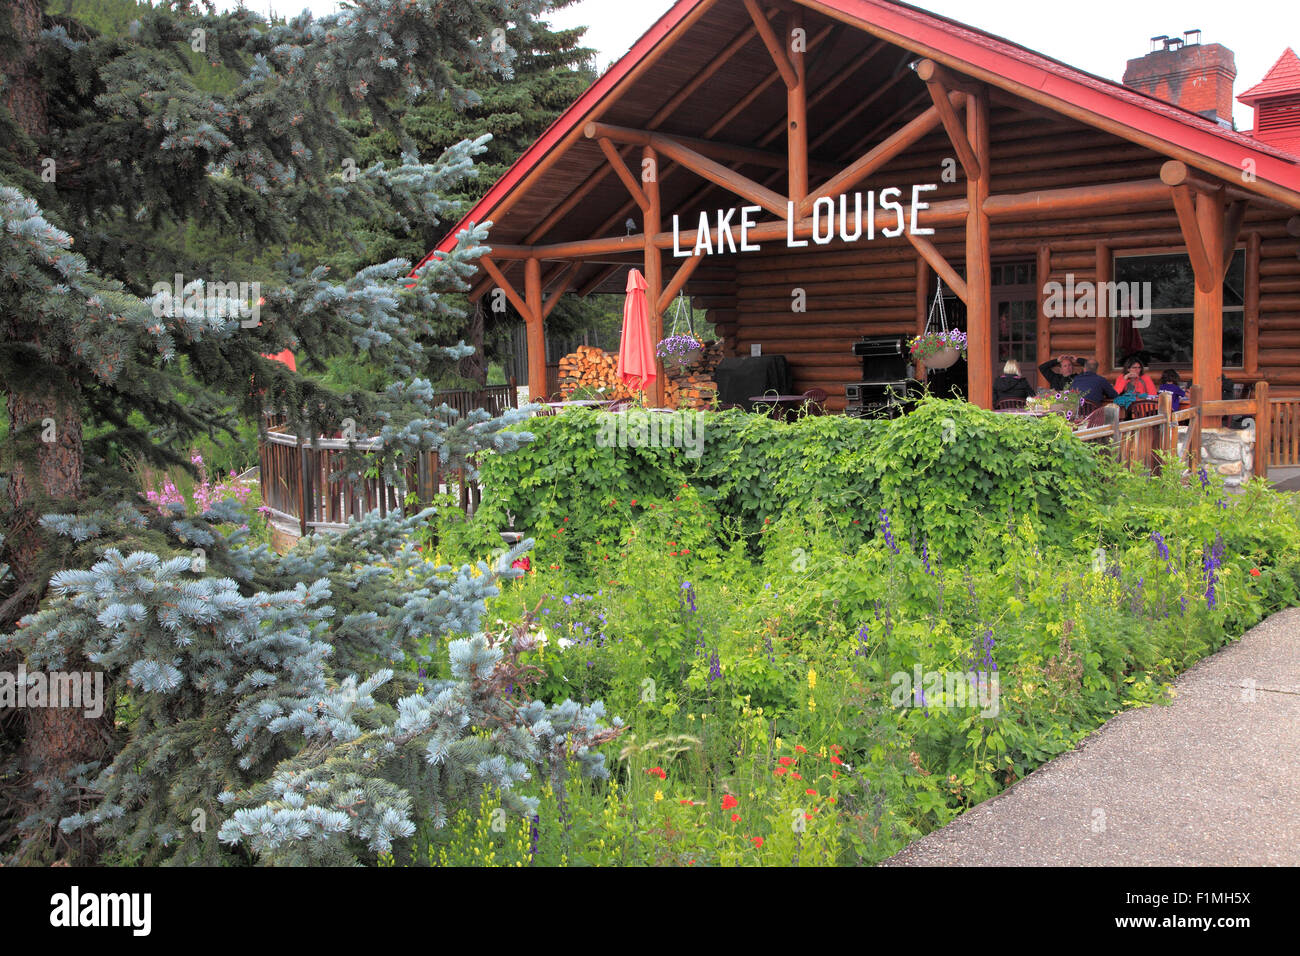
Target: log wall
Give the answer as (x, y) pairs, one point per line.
(871, 287)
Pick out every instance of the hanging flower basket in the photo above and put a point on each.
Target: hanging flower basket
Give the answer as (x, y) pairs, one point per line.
(939, 349)
(680, 350)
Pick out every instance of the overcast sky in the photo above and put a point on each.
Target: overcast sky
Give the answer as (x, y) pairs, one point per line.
(1098, 36)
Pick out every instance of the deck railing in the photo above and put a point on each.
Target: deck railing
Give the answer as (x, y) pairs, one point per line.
(306, 483)
(1284, 428)
(1138, 441)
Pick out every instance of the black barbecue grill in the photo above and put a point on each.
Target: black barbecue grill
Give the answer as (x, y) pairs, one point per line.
(887, 389)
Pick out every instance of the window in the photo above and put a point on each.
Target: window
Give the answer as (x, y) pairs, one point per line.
(1168, 338)
(1015, 303)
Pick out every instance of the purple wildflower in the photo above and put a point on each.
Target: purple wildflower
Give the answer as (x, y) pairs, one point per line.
(884, 529)
(715, 667)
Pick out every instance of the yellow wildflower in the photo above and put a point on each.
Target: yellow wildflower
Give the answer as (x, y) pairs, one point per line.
(659, 795)
(812, 679)
(812, 704)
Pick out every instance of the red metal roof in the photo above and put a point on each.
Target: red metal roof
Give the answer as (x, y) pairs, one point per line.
(964, 48)
(1282, 78)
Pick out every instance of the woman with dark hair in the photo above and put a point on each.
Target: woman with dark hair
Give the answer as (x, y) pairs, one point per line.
(1169, 382)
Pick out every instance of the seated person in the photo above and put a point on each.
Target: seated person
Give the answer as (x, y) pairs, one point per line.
(1136, 377)
(1060, 372)
(1010, 384)
(1169, 383)
(1092, 386)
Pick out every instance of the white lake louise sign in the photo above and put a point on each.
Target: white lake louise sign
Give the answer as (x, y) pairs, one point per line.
(832, 219)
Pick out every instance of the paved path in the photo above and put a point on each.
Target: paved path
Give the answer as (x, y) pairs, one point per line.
(1213, 779)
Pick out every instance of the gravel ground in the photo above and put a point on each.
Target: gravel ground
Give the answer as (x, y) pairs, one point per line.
(1212, 779)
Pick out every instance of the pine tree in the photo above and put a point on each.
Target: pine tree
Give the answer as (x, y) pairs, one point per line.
(115, 146)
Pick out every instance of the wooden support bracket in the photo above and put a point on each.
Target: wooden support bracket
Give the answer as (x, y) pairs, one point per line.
(774, 45)
(624, 174)
(504, 285)
(935, 260)
(941, 85)
(680, 278)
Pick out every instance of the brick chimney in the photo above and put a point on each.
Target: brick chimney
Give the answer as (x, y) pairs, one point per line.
(1187, 73)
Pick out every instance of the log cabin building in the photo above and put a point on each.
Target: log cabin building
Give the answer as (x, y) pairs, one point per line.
(726, 153)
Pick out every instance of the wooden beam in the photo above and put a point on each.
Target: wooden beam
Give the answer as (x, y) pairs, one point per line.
(1207, 303)
(796, 110)
(730, 152)
(536, 331)
(703, 76)
(1250, 313)
(877, 157)
(940, 84)
(1056, 203)
(599, 280)
(654, 274)
(1103, 342)
(651, 58)
(623, 173)
(680, 278)
(554, 299)
(1042, 326)
(1177, 173)
(1293, 226)
(1231, 231)
(853, 112)
(1205, 270)
(504, 285)
(773, 44)
(979, 305)
(676, 150)
(935, 260)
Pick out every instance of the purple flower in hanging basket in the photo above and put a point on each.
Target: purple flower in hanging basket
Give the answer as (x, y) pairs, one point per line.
(931, 343)
(677, 346)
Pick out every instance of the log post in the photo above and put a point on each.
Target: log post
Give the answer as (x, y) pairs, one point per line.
(1250, 334)
(1044, 330)
(1263, 430)
(1104, 343)
(1207, 312)
(536, 331)
(1194, 401)
(653, 266)
(797, 110)
(979, 321)
(1165, 409)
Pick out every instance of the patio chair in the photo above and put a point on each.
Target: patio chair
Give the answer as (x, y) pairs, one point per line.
(816, 403)
(1009, 404)
(1094, 418)
(1142, 409)
(544, 411)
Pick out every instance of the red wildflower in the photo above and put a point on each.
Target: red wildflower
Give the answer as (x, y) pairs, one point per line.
(657, 772)
(758, 842)
(779, 770)
(800, 748)
(1254, 572)
(837, 761)
(835, 774)
(729, 801)
(785, 761)
(796, 776)
(735, 818)
(807, 816)
(686, 550)
(633, 505)
(673, 554)
(836, 749)
(831, 799)
(687, 803)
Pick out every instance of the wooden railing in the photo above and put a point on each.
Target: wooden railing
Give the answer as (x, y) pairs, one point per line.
(1138, 441)
(306, 483)
(1284, 429)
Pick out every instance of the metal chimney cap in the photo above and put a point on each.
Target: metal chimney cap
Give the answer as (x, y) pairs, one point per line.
(1158, 42)
(1189, 34)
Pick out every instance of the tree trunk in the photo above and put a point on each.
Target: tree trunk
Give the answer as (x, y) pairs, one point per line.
(45, 432)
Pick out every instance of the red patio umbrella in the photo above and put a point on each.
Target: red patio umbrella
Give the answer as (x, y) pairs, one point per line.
(636, 353)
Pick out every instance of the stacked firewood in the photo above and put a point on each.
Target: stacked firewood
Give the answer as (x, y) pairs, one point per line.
(592, 368)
